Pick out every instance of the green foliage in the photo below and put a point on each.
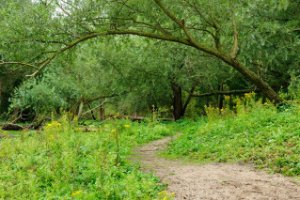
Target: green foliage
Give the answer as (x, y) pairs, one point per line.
(260, 135)
(62, 162)
(294, 88)
(39, 96)
(36, 30)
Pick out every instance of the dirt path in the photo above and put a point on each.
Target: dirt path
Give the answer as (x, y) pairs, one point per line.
(215, 181)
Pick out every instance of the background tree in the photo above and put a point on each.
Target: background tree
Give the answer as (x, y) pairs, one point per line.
(164, 74)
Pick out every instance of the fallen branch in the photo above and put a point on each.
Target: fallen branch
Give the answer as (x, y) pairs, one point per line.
(12, 127)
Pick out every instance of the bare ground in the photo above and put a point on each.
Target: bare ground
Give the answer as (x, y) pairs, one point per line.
(214, 181)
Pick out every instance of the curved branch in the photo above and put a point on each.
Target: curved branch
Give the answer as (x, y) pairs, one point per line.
(107, 33)
(18, 63)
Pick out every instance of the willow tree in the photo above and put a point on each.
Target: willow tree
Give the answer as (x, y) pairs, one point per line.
(211, 27)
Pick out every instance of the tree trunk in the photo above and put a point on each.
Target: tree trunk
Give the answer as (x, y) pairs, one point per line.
(92, 113)
(80, 109)
(178, 111)
(220, 97)
(0, 96)
(263, 86)
(254, 78)
(102, 113)
(207, 101)
(4, 98)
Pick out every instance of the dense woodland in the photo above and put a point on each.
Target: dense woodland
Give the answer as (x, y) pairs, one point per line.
(106, 63)
(133, 57)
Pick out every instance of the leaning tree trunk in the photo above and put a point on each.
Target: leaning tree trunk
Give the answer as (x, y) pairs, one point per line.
(178, 111)
(254, 78)
(263, 86)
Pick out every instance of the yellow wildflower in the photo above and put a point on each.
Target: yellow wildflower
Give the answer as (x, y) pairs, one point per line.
(114, 130)
(76, 193)
(250, 95)
(53, 125)
(127, 126)
(227, 98)
(165, 195)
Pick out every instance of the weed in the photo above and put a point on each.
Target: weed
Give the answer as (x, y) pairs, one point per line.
(258, 133)
(63, 162)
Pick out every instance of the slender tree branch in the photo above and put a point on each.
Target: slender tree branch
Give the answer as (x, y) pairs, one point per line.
(231, 92)
(180, 23)
(297, 30)
(191, 41)
(62, 8)
(91, 109)
(87, 101)
(189, 97)
(107, 33)
(168, 13)
(235, 47)
(17, 63)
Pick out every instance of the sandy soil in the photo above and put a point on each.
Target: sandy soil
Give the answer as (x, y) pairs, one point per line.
(215, 181)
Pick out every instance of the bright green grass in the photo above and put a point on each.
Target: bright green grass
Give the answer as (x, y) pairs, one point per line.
(263, 136)
(63, 162)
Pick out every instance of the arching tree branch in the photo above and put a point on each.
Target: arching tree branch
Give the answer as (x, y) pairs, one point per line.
(18, 63)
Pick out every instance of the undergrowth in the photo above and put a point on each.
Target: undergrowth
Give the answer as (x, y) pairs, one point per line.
(64, 162)
(258, 133)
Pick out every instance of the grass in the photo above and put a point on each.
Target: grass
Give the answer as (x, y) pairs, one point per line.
(63, 162)
(261, 135)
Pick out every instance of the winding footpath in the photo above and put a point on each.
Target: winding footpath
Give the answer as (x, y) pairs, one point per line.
(214, 181)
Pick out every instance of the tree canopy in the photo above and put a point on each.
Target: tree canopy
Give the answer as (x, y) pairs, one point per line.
(140, 55)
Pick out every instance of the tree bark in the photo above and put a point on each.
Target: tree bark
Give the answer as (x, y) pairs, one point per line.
(102, 113)
(220, 97)
(0, 96)
(189, 98)
(80, 109)
(178, 111)
(92, 112)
